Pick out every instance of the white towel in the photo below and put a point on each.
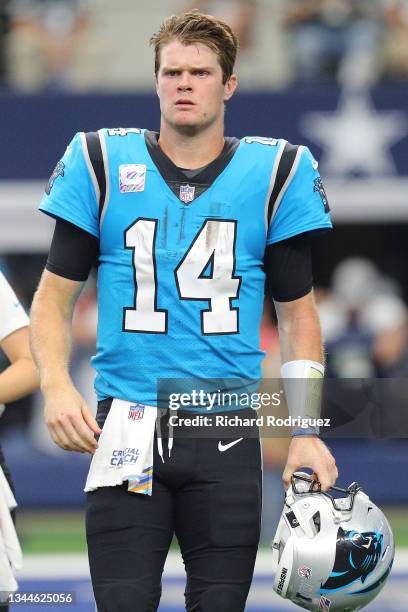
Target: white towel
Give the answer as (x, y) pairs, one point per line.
(125, 450)
(11, 558)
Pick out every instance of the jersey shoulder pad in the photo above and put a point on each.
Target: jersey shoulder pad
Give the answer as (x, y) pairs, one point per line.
(286, 163)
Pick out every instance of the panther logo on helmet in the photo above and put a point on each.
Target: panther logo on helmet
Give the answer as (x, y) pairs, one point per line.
(357, 555)
(339, 554)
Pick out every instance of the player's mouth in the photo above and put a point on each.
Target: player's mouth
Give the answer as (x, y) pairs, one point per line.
(184, 103)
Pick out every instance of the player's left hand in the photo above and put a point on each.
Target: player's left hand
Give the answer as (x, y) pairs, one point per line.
(311, 452)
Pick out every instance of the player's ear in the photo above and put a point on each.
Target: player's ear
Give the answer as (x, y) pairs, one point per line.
(230, 87)
(157, 85)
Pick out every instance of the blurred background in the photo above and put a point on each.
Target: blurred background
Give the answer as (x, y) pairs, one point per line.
(331, 74)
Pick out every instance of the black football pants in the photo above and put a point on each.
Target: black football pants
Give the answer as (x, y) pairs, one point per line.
(210, 499)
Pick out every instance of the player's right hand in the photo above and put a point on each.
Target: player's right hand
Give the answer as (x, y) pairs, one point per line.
(311, 452)
(69, 420)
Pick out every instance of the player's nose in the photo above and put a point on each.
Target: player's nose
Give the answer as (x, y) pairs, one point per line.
(185, 83)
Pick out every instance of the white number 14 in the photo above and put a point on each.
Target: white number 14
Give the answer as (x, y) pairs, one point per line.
(206, 273)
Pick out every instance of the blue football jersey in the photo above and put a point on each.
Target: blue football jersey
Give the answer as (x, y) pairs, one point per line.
(181, 279)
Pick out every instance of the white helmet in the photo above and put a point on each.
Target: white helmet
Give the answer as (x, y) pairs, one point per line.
(333, 553)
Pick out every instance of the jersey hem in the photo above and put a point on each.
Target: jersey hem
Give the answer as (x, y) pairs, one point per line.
(54, 215)
(186, 410)
(303, 230)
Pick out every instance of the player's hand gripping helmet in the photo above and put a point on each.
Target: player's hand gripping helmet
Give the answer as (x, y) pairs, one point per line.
(334, 553)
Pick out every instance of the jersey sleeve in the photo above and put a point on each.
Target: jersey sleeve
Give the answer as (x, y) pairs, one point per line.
(70, 193)
(303, 205)
(13, 316)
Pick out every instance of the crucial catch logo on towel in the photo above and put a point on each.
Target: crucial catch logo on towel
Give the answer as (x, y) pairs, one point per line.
(132, 177)
(136, 412)
(124, 456)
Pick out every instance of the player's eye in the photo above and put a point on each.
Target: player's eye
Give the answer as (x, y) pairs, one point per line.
(201, 72)
(171, 73)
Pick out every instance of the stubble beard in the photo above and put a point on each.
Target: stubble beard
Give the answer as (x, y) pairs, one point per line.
(192, 129)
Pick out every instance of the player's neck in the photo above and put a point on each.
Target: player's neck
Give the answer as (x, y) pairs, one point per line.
(191, 151)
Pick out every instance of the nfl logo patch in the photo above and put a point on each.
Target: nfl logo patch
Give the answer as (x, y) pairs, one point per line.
(324, 604)
(136, 412)
(186, 193)
(132, 177)
(304, 571)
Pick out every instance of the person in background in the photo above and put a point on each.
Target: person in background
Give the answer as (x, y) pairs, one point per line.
(4, 27)
(20, 378)
(54, 28)
(240, 14)
(333, 39)
(365, 329)
(395, 53)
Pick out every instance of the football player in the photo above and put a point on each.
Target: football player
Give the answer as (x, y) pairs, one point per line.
(19, 379)
(185, 226)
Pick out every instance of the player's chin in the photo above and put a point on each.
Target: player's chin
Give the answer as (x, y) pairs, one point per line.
(185, 117)
(188, 124)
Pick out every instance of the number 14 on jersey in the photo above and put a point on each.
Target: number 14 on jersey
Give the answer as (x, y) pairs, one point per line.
(205, 273)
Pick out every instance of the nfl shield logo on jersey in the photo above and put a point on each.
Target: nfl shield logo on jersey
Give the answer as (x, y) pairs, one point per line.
(187, 193)
(136, 412)
(132, 177)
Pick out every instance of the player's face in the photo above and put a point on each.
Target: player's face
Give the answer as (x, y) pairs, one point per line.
(190, 88)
